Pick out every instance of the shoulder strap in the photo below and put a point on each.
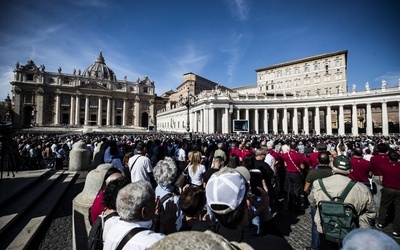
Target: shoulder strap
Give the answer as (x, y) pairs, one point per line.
(164, 198)
(324, 189)
(347, 190)
(133, 164)
(298, 169)
(129, 236)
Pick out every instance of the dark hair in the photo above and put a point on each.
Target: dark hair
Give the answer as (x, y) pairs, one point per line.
(293, 145)
(393, 156)
(368, 151)
(358, 151)
(140, 146)
(232, 219)
(382, 148)
(249, 162)
(323, 157)
(111, 192)
(233, 161)
(192, 200)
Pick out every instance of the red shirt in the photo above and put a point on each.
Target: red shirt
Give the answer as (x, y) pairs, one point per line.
(377, 161)
(293, 161)
(391, 175)
(313, 160)
(360, 169)
(97, 206)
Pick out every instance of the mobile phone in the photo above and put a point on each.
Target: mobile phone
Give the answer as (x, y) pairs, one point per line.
(255, 181)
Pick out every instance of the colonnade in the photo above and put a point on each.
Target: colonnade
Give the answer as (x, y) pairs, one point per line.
(325, 118)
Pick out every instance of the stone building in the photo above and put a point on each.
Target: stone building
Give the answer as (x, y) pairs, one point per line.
(307, 96)
(94, 97)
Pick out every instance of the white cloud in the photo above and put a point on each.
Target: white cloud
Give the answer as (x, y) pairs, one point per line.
(236, 48)
(239, 9)
(392, 78)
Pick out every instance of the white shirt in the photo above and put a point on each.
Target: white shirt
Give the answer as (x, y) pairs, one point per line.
(180, 155)
(196, 178)
(115, 230)
(141, 169)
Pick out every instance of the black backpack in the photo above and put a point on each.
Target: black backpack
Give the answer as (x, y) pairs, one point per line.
(95, 239)
(156, 226)
(337, 217)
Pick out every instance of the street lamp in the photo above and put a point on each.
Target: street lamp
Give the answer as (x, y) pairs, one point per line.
(187, 101)
(8, 117)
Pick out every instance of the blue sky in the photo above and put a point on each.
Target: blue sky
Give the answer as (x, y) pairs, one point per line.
(222, 40)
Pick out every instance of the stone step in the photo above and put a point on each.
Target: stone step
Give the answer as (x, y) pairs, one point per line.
(10, 186)
(21, 224)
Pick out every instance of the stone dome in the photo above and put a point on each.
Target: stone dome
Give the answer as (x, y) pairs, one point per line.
(99, 69)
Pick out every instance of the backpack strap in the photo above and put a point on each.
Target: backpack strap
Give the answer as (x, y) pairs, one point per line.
(133, 164)
(347, 190)
(129, 236)
(164, 198)
(321, 183)
(344, 194)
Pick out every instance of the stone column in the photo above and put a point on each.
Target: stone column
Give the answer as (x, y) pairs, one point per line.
(206, 121)
(295, 122)
(72, 110)
(226, 125)
(328, 120)
(113, 112)
(99, 111)
(354, 120)
(57, 117)
(87, 109)
(39, 109)
(370, 125)
(284, 121)
(275, 121)
(256, 121)
(266, 121)
(201, 125)
(247, 115)
(124, 109)
(77, 110)
(212, 121)
(108, 111)
(341, 120)
(385, 125)
(317, 127)
(238, 114)
(137, 112)
(305, 121)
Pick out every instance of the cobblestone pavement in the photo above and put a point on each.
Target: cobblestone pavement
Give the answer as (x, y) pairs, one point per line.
(57, 233)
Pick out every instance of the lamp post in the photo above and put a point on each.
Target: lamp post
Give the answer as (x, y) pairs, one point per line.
(8, 117)
(187, 101)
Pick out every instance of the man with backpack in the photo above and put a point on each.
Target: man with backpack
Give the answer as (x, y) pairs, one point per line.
(337, 212)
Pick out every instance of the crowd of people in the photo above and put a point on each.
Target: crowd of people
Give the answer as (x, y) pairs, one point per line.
(235, 185)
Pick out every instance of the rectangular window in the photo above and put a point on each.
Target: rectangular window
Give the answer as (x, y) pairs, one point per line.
(145, 90)
(316, 67)
(65, 100)
(65, 81)
(306, 68)
(93, 102)
(29, 77)
(119, 104)
(28, 97)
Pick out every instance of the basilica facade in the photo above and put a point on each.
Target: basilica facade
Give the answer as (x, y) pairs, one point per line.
(93, 97)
